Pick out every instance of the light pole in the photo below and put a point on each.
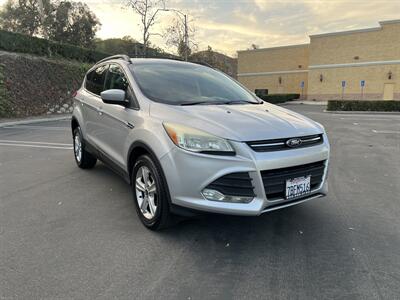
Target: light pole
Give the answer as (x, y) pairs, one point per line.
(186, 31)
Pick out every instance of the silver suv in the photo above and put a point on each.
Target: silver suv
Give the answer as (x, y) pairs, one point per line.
(189, 138)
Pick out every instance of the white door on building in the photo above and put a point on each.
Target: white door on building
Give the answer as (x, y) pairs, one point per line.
(388, 91)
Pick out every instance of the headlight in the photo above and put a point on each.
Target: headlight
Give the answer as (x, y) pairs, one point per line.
(197, 141)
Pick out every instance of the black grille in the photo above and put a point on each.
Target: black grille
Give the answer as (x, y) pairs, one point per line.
(281, 144)
(275, 180)
(235, 184)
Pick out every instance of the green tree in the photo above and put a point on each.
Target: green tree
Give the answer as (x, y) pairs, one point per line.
(65, 21)
(22, 16)
(116, 45)
(73, 23)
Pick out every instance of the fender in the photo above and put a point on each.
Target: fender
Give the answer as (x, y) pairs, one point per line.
(140, 144)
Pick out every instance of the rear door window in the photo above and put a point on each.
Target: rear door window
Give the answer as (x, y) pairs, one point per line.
(95, 80)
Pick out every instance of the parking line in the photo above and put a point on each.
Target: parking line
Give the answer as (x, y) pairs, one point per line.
(36, 146)
(386, 131)
(35, 127)
(32, 142)
(364, 119)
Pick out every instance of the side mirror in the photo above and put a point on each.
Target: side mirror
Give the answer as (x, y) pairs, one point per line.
(114, 96)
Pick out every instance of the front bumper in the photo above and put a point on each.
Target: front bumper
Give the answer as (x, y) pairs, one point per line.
(188, 173)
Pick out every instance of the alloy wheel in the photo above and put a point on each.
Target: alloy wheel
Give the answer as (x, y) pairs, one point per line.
(146, 192)
(78, 147)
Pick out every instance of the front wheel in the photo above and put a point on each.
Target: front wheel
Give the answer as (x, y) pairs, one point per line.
(83, 159)
(150, 194)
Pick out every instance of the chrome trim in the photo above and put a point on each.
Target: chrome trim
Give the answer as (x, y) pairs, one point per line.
(294, 202)
(268, 145)
(304, 141)
(311, 140)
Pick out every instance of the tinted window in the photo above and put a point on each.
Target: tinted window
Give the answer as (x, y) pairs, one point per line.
(177, 83)
(95, 80)
(116, 79)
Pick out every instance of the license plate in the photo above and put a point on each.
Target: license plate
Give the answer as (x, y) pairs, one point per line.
(297, 187)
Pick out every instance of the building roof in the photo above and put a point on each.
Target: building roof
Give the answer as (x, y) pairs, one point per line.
(381, 23)
(272, 48)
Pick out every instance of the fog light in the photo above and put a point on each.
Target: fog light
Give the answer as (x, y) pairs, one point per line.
(215, 195)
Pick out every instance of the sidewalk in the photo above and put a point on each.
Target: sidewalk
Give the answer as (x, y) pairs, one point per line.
(307, 102)
(32, 120)
(364, 112)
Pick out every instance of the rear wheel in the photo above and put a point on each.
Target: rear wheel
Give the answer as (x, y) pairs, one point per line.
(83, 159)
(150, 194)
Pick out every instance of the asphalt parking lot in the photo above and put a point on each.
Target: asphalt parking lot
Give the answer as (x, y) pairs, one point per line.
(67, 233)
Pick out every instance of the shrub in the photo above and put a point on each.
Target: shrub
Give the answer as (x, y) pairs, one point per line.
(363, 105)
(5, 105)
(279, 98)
(15, 42)
(261, 92)
(32, 85)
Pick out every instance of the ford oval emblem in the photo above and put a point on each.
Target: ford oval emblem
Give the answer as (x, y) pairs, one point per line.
(295, 142)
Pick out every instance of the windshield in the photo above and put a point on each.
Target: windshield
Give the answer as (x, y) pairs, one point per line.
(187, 84)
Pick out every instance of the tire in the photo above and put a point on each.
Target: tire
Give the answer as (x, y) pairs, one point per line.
(83, 159)
(155, 213)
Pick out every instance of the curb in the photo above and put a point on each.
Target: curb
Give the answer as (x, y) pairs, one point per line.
(306, 103)
(347, 112)
(33, 121)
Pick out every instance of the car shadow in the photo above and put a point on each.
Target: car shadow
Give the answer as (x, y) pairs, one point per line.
(227, 230)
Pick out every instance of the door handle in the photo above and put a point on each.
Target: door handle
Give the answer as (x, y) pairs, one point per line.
(100, 111)
(129, 125)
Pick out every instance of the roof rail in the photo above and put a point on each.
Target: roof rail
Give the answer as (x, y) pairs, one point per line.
(203, 63)
(197, 62)
(118, 56)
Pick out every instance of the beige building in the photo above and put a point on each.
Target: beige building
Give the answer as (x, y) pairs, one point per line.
(357, 64)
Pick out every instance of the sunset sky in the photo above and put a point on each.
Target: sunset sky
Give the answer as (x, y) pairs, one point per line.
(229, 26)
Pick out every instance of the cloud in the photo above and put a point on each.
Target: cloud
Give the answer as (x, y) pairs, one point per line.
(262, 4)
(232, 25)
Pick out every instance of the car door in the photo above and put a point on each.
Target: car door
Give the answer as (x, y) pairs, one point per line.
(94, 85)
(117, 121)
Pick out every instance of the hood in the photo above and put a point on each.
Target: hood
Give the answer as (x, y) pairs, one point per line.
(248, 122)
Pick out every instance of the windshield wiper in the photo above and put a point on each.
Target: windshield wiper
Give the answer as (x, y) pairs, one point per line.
(239, 102)
(195, 103)
(208, 102)
(219, 102)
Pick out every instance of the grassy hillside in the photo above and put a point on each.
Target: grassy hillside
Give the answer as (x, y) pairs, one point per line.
(31, 85)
